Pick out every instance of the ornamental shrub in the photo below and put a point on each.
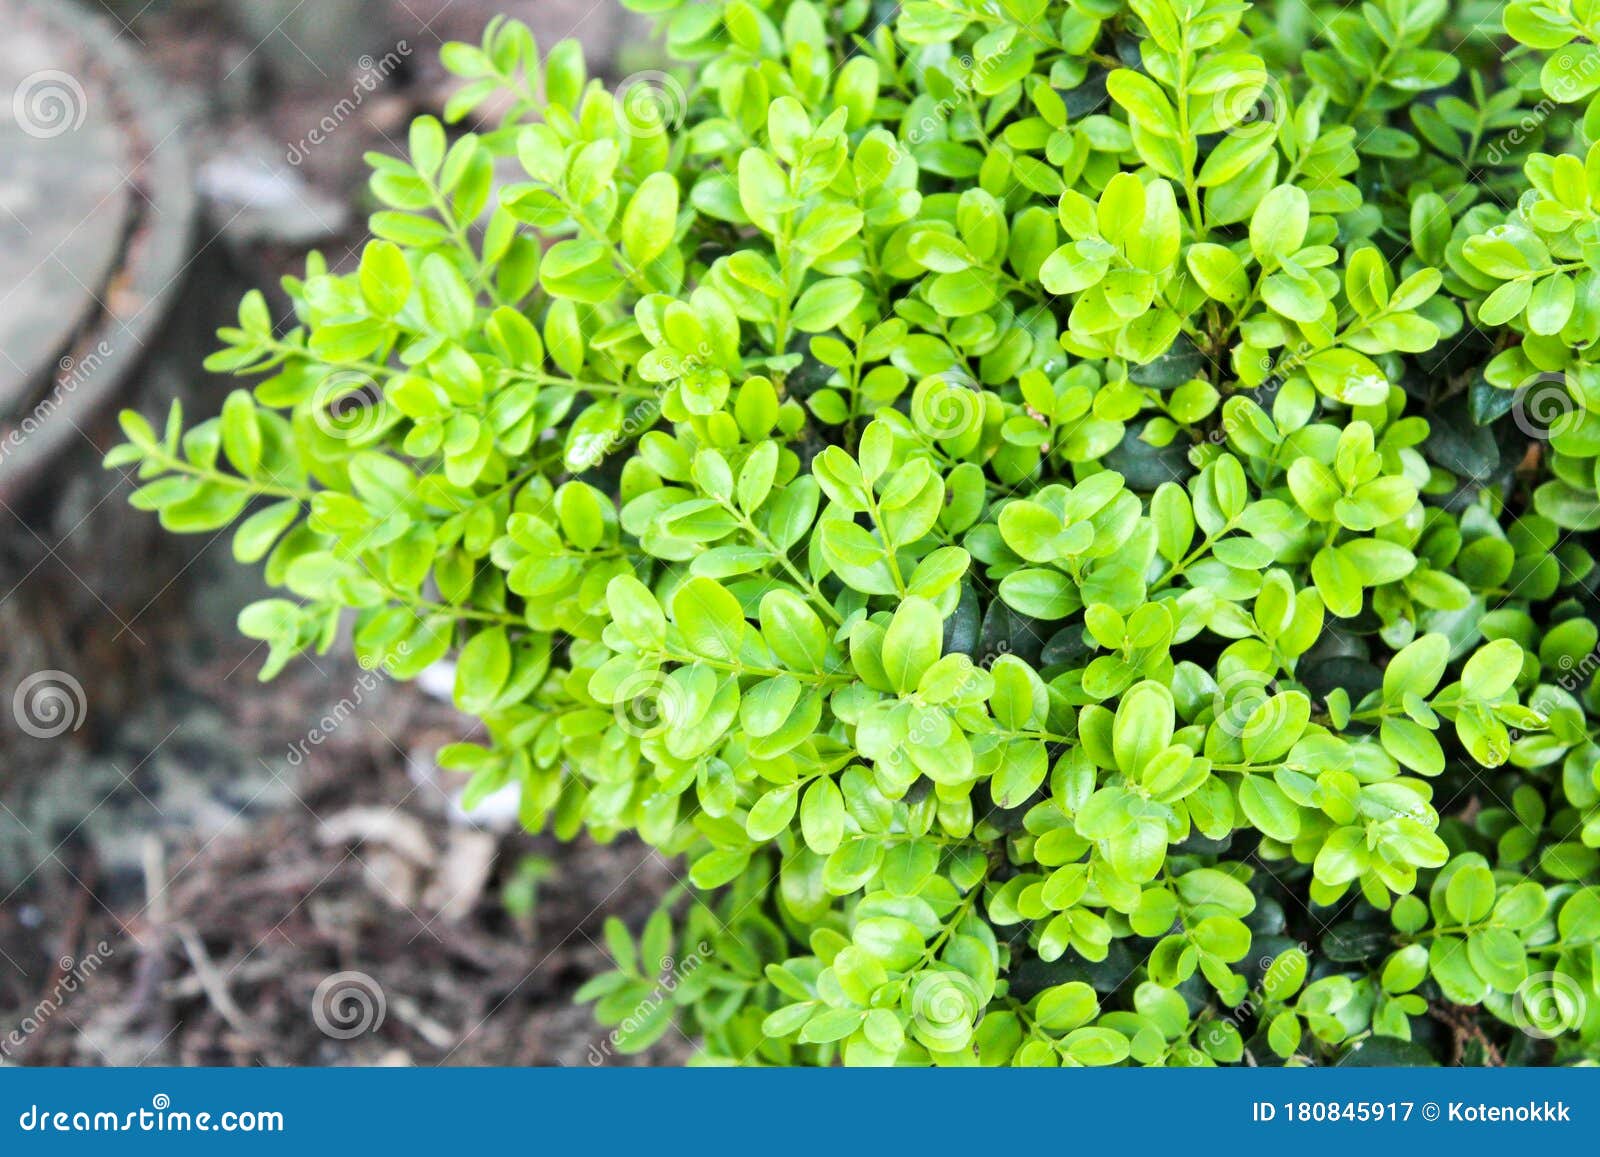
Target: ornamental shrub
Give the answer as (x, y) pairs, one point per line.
(1072, 517)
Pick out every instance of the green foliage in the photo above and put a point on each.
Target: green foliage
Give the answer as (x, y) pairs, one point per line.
(1041, 504)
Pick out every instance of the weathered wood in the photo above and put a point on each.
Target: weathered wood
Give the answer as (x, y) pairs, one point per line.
(64, 201)
(96, 219)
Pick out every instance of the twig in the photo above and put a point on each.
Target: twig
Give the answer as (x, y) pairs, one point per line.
(1464, 1028)
(426, 1027)
(215, 986)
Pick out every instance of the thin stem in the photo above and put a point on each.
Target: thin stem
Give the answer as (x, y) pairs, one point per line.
(1186, 138)
(232, 481)
(888, 546)
(376, 370)
(782, 558)
(823, 680)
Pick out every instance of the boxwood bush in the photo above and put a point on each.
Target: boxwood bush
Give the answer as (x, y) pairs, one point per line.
(1071, 517)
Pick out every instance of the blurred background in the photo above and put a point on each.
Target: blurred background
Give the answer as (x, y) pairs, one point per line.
(195, 867)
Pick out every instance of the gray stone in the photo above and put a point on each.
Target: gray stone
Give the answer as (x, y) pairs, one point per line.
(251, 195)
(311, 41)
